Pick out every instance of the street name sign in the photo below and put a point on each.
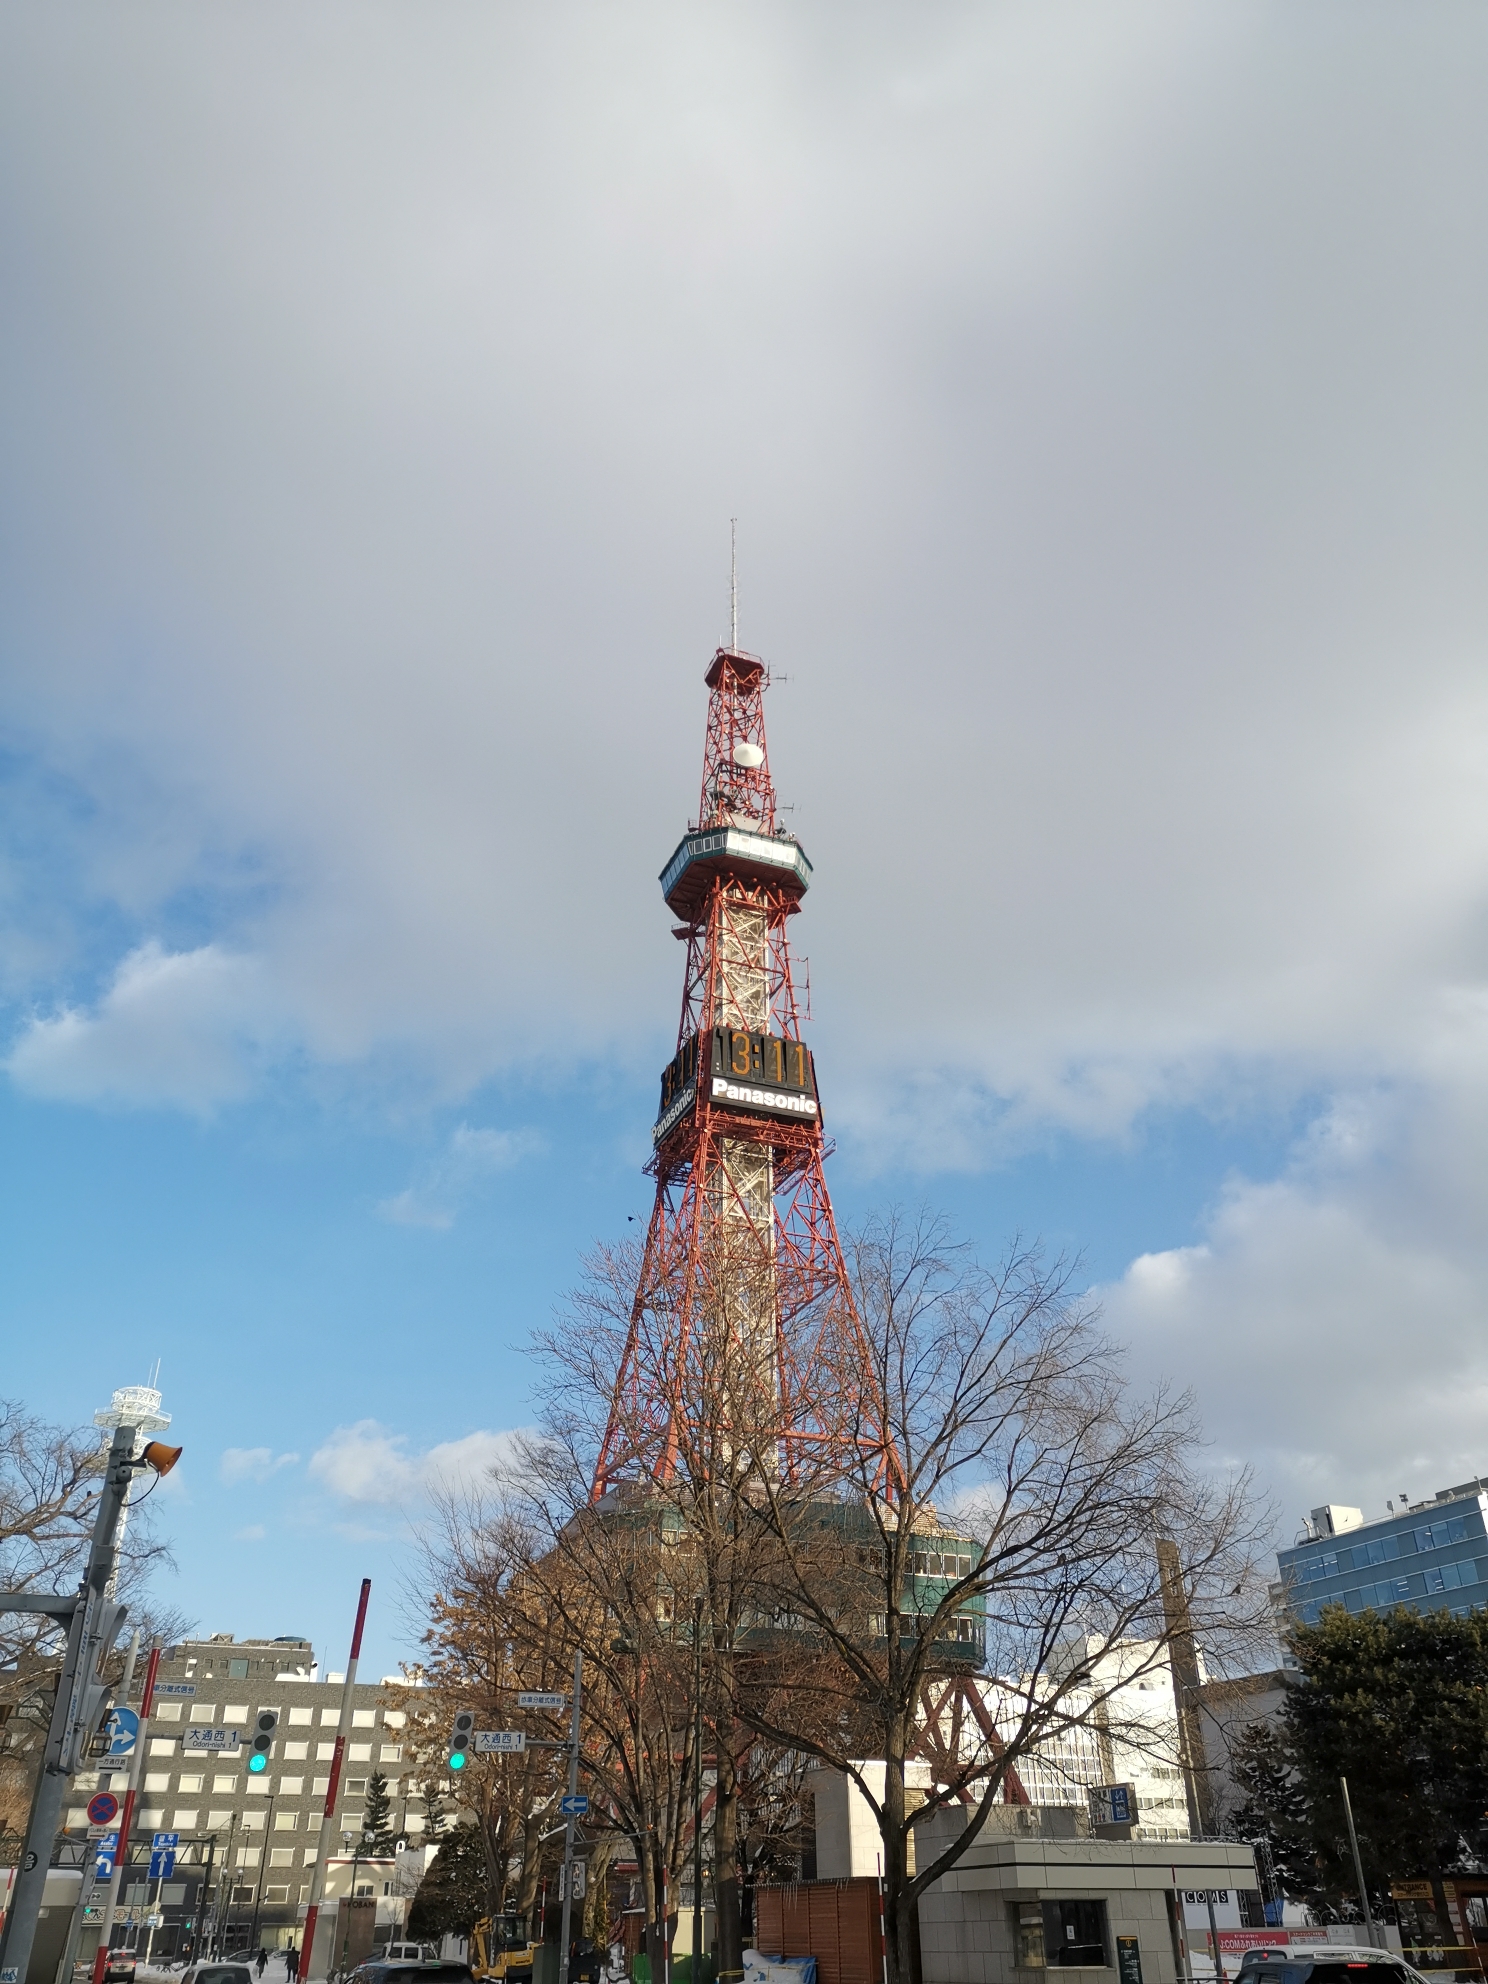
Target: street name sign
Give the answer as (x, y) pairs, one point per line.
(499, 1742)
(533, 1700)
(212, 1739)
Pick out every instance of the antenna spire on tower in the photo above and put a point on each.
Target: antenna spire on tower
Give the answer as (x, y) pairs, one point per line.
(734, 584)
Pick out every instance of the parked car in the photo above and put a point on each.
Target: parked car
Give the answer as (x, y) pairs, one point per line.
(1327, 1963)
(120, 1967)
(218, 1973)
(377, 1971)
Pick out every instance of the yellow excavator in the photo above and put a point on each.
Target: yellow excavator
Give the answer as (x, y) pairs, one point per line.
(499, 1948)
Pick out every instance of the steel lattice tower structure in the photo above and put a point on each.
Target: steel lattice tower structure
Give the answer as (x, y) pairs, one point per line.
(743, 1296)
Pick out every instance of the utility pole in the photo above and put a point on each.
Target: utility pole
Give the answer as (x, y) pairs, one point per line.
(87, 1884)
(1348, 1813)
(573, 1817)
(93, 1620)
(697, 1789)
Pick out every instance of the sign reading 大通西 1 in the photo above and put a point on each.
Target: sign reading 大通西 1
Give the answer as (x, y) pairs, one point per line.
(531, 1700)
(499, 1742)
(1113, 1805)
(211, 1739)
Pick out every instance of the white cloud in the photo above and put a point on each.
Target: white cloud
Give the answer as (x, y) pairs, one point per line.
(184, 1028)
(239, 1464)
(367, 1463)
(1332, 1320)
(254, 1532)
(471, 1156)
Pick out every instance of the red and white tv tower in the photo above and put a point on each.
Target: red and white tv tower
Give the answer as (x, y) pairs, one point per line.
(742, 1263)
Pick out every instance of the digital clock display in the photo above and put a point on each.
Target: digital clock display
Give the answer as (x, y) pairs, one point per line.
(760, 1074)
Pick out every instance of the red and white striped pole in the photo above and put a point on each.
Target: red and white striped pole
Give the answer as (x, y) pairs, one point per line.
(328, 1818)
(126, 1817)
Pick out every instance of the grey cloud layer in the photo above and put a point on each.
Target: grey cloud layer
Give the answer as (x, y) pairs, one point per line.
(1101, 393)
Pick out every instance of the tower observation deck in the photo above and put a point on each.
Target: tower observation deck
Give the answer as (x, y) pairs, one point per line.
(743, 1338)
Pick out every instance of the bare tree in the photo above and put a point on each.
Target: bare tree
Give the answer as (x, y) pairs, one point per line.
(1029, 1487)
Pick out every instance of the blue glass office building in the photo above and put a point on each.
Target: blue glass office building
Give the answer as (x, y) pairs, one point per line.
(1432, 1556)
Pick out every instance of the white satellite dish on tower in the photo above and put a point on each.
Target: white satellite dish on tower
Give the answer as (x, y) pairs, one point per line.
(749, 757)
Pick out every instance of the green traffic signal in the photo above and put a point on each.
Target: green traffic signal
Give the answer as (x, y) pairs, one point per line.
(258, 1763)
(457, 1760)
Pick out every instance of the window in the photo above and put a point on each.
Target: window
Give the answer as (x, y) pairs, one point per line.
(1310, 1569)
(237, 1670)
(248, 1856)
(324, 1752)
(329, 1715)
(291, 1787)
(300, 1716)
(1075, 1933)
(253, 1822)
(281, 1856)
(1379, 1551)
(224, 1784)
(391, 1753)
(157, 1780)
(217, 1818)
(1447, 1577)
(294, 1752)
(356, 1787)
(190, 1781)
(166, 1712)
(394, 1718)
(162, 1746)
(276, 1894)
(1437, 1534)
(286, 1821)
(319, 1786)
(235, 1712)
(360, 1753)
(364, 1718)
(183, 1818)
(203, 1712)
(310, 1855)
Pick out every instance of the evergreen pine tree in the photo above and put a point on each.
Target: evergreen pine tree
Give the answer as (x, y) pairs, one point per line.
(378, 1834)
(455, 1893)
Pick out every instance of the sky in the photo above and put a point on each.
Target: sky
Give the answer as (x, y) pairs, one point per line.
(1100, 392)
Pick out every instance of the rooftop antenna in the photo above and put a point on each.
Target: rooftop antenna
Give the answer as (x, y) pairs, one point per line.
(734, 584)
(155, 1375)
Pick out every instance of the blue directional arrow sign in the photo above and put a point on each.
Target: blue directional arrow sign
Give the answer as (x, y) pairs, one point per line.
(575, 1806)
(121, 1727)
(103, 1863)
(162, 1864)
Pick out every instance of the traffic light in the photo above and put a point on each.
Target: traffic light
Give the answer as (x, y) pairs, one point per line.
(460, 1736)
(264, 1725)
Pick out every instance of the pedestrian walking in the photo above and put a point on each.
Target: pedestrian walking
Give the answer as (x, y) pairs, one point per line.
(291, 1964)
(263, 1958)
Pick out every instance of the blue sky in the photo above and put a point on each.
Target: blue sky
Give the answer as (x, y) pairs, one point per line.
(1100, 393)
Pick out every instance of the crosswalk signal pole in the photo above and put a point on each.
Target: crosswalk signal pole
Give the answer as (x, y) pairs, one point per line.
(573, 1817)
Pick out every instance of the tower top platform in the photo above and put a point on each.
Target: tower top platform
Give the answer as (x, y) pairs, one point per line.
(752, 856)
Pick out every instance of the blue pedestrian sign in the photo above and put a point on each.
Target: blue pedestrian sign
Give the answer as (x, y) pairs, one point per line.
(574, 1806)
(120, 1726)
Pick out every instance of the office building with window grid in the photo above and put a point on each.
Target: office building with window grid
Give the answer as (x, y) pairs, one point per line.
(1431, 1556)
(249, 1843)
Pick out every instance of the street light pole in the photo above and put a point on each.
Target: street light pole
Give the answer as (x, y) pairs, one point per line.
(572, 1815)
(1348, 1813)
